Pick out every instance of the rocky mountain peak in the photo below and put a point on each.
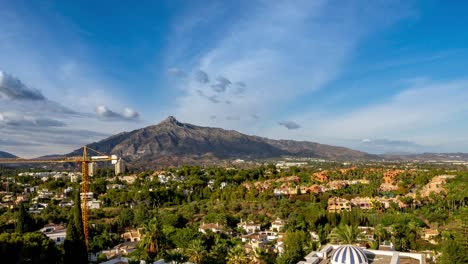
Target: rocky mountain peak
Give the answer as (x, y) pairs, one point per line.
(170, 120)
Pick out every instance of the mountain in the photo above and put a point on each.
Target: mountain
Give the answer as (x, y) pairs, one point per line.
(6, 155)
(172, 142)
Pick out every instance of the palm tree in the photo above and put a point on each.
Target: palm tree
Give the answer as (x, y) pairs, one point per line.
(236, 255)
(347, 234)
(196, 252)
(258, 256)
(152, 241)
(380, 232)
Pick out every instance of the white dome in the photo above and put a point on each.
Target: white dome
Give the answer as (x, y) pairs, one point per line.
(349, 255)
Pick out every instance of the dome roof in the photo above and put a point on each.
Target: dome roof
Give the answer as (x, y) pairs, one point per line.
(349, 255)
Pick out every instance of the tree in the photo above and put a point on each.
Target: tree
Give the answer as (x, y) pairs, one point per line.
(153, 241)
(196, 252)
(346, 234)
(74, 245)
(295, 243)
(23, 220)
(236, 255)
(453, 252)
(381, 233)
(28, 248)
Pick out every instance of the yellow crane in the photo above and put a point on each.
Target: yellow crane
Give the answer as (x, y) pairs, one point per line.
(84, 160)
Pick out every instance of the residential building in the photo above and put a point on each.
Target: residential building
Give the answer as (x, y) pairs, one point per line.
(364, 203)
(277, 225)
(249, 227)
(119, 167)
(215, 228)
(92, 168)
(430, 235)
(55, 232)
(94, 204)
(131, 235)
(336, 205)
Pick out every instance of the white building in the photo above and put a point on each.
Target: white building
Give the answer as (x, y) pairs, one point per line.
(92, 168)
(349, 254)
(94, 204)
(119, 167)
(277, 225)
(249, 227)
(55, 232)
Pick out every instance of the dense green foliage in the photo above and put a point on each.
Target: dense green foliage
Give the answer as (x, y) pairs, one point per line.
(168, 212)
(74, 245)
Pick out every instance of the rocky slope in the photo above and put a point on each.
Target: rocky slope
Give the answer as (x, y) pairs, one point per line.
(172, 142)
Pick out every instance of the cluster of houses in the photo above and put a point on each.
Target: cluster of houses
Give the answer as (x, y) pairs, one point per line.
(337, 204)
(291, 185)
(54, 175)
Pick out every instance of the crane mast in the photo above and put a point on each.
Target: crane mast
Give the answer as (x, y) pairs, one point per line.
(85, 160)
(84, 190)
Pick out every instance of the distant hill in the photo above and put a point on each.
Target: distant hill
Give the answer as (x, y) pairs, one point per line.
(172, 142)
(6, 155)
(428, 157)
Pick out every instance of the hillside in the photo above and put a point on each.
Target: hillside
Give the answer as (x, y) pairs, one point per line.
(172, 142)
(6, 155)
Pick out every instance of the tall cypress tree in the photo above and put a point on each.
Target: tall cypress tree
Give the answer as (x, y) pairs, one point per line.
(23, 220)
(75, 246)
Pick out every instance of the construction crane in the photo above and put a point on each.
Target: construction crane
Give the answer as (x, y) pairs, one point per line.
(84, 160)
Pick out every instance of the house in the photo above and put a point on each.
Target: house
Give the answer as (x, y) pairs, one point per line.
(215, 228)
(36, 208)
(44, 194)
(430, 235)
(55, 232)
(124, 249)
(66, 204)
(277, 225)
(94, 204)
(8, 198)
(314, 236)
(75, 177)
(29, 189)
(364, 203)
(320, 176)
(249, 227)
(336, 205)
(255, 241)
(131, 235)
(21, 198)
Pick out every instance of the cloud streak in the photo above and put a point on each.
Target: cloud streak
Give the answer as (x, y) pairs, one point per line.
(202, 77)
(282, 50)
(11, 88)
(289, 125)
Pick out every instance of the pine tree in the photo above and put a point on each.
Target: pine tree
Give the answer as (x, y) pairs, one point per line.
(23, 220)
(75, 246)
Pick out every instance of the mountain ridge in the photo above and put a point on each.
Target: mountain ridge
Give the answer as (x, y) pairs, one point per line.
(6, 155)
(172, 142)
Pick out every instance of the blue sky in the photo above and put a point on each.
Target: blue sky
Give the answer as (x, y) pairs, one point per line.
(379, 76)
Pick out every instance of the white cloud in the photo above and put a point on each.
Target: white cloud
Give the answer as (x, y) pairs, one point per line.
(53, 67)
(413, 109)
(107, 114)
(282, 50)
